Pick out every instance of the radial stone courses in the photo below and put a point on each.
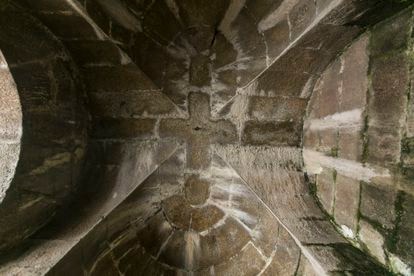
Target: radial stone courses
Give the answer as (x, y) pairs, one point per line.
(227, 137)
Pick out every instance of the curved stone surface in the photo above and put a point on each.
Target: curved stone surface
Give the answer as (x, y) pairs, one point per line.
(359, 144)
(230, 83)
(53, 119)
(11, 127)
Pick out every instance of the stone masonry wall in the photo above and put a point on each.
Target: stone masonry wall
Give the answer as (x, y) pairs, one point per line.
(194, 162)
(54, 126)
(357, 141)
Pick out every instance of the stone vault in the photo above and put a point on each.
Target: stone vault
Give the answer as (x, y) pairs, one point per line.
(221, 137)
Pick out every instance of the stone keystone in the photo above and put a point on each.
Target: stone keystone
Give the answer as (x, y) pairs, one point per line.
(199, 131)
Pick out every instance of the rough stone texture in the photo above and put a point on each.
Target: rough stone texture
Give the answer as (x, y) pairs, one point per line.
(325, 187)
(376, 202)
(373, 240)
(195, 165)
(54, 125)
(11, 127)
(346, 201)
(357, 121)
(199, 131)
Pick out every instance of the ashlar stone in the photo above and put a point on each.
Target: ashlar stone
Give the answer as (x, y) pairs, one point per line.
(199, 131)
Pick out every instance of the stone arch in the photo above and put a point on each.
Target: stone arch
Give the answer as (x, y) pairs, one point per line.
(11, 127)
(138, 162)
(54, 122)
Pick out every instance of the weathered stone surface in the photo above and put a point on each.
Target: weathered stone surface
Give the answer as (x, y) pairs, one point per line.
(373, 240)
(91, 52)
(200, 71)
(354, 75)
(182, 215)
(269, 133)
(196, 13)
(389, 87)
(328, 93)
(200, 131)
(278, 109)
(346, 201)
(69, 26)
(305, 267)
(350, 145)
(301, 16)
(247, 262)
(222, 243)
(286, 256)
(278, 37)
(108, 128)
(397, 28)
(153, 236)
(405, 241)
(197, 190)
(109, 79)
(377, 204)
(131, 104)
(194, 214)
(325, 189)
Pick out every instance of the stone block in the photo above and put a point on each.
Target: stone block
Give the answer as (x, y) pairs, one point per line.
(286, 256)
(130, 104)
(34, 84)
(300, 60)
(24, 39)
(98, 52)
(350, 145)
(155, 234)
(301, 16)
(405, 234)
(281, 83)
(268, 133)
(328, 141)
(116, 79)
(321, 5)
(163, 33)
(407, 152)
(111, 128)
(328, 100)
(325, 189)
(197, 190)
(373, 240)
(355, 76)
(329, 257)
(311, 140)
(96, 12)
(194, 13)
(260, 9)
(277, 108)
(248, 262)
(346, 202)
(396, 27)
(378, 204)
(314, 231)
(277, 38)
(56, 129)
(69, 26)
(200, 74)
(388, 95)
(183, 216)
(384, 146)
(305, 267)
(157, 62)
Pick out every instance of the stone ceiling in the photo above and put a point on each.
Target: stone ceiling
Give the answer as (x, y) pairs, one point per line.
(184, 137)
